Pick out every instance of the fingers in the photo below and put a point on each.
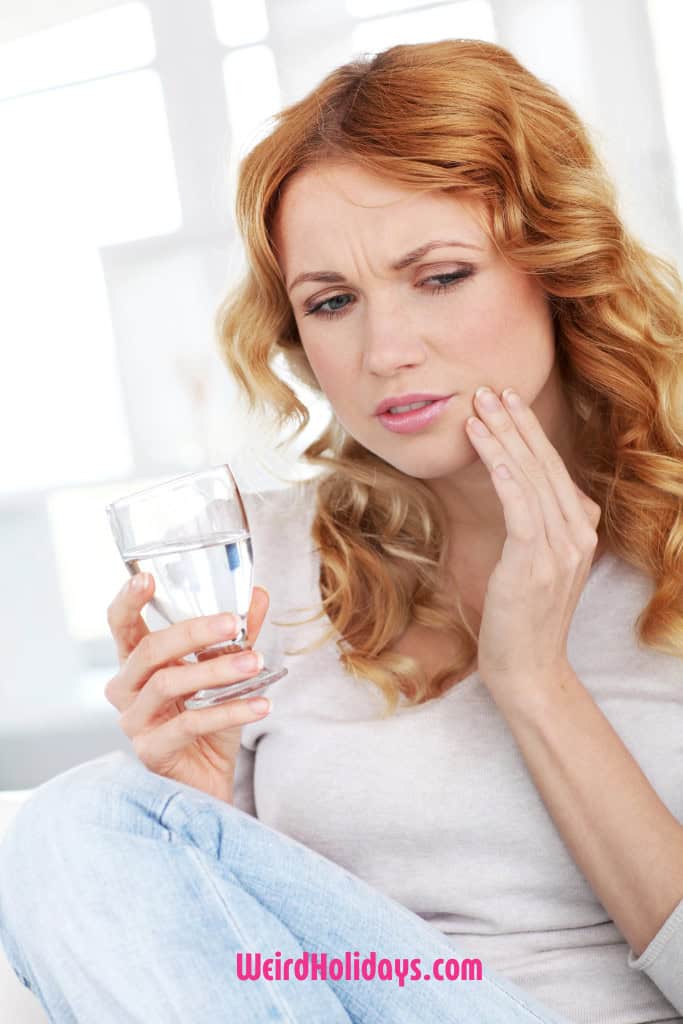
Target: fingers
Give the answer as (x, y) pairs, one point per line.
(515, 426)
(158, 748)
(152, 651)
(173, 682)
(123, 615)
(177, 641)
(547, 502)
(260, 602)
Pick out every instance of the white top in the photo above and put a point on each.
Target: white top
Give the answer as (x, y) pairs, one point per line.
(435, 806)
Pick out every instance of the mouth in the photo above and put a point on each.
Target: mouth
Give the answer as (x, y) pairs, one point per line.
(414, 419)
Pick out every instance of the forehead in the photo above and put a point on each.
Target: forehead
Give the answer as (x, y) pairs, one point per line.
(342, 197)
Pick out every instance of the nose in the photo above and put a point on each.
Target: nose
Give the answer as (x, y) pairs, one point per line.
(390, 341)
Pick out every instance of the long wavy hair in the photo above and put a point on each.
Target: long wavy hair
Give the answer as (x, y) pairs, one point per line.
(465, 116)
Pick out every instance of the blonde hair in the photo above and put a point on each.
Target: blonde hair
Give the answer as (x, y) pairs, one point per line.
(466, 116)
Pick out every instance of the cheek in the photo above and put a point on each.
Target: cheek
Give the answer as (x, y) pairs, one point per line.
(477, 331)
(330, 371)
(514, 325)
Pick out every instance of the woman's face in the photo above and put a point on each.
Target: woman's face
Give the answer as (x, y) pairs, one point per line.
(447, 322)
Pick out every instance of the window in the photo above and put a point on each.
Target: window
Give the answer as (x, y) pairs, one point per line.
(79, 527)
(253, 95)
(111, 41)
(238, 23)
(252, 88)
(666, 20)
(373, 8)
(83, 166)
(467, 19)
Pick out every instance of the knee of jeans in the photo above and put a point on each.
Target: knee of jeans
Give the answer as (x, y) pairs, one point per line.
(50, 819)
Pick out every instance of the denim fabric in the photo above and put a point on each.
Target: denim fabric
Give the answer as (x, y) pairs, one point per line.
(126, 896)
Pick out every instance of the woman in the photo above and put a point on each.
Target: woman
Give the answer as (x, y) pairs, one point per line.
(487, 772)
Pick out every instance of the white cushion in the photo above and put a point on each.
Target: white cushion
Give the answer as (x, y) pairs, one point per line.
(10, 802)
(19, 1005)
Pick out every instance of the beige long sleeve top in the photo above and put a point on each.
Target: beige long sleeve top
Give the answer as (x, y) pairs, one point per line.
(435, 806)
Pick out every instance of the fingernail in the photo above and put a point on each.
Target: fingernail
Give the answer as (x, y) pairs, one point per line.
(512, 398)
(139, 582)
(262, 705)
(225, 625)
(249, 661)
(486, 398)
(478, 427)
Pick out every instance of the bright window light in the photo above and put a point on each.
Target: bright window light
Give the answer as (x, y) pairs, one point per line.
(469, 19)
(666, 20)
(90, 568)
(102, 149)
(82, 167)
(60, 403)
(111, 41)
(253, 95)
(239, 23)
(373, 8)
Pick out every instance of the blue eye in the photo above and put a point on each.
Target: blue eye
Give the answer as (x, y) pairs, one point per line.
(333, 312)
(453, 279)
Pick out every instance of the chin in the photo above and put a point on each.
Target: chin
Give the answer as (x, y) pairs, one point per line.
(425, 456)
(430, 465)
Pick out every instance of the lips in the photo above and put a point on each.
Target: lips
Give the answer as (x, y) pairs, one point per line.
(416, 419)
(393, 400)
(400, 410)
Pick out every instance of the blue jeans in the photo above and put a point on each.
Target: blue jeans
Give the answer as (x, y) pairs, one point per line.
(126, 897)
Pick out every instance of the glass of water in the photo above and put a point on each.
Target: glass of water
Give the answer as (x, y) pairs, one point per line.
(192, 534)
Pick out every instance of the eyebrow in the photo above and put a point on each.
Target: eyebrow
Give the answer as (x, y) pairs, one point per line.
(333, 277)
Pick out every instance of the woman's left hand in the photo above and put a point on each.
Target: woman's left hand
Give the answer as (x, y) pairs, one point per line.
(547, 556)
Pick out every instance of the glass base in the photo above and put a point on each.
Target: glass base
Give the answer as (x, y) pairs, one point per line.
(221, 694)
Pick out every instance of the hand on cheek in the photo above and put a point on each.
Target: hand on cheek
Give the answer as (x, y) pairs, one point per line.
(547, 556)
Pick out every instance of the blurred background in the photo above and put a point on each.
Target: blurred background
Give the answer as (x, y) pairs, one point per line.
(121, 127)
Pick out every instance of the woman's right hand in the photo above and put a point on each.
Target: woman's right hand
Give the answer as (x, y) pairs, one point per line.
(199, 746)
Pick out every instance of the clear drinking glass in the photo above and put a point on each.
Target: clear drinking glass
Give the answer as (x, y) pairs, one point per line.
(192, 534)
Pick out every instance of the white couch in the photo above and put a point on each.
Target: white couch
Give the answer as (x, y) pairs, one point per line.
(19, 1005)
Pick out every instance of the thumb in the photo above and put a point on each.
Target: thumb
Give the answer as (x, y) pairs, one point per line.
(258, 609)
(125, 620)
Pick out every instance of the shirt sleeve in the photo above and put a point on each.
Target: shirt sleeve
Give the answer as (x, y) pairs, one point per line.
(243, 782)
(662, 960)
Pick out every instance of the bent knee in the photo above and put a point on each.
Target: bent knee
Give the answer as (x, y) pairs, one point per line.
(49, 821)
